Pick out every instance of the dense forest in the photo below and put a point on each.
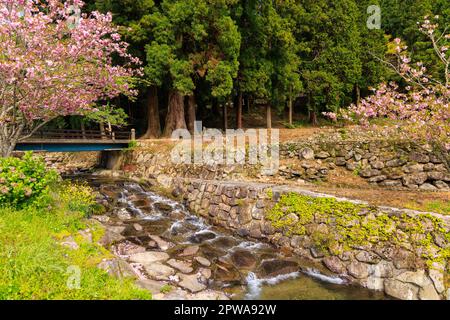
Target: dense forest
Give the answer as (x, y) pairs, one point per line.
(206, 59)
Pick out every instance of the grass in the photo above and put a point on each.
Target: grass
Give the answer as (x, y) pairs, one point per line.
(438, 206)
(34, 265)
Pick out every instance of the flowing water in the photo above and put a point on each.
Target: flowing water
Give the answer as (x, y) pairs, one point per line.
(242, 268)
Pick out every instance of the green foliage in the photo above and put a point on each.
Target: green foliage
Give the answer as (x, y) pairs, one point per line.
(353, 225)
(167, 288)
(33, 263)
(25, 181)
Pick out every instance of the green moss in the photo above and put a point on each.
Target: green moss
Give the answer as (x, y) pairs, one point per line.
(352, 225)
(167, 288)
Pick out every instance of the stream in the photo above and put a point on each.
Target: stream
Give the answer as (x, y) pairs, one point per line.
(221, 260)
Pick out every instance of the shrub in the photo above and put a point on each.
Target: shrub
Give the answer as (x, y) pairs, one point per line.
(78, 197)
(25, 181)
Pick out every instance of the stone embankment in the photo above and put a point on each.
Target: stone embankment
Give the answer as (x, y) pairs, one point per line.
(402, 252)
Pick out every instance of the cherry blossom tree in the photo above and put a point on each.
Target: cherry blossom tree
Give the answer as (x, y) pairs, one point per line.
(421, 109)
(55, 61)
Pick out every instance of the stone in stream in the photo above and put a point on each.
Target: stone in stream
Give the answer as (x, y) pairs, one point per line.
(273, 268)
(162, 244)
(203, 261)
(191, 283)
(164, 207)
(127, 249)
(183, 266)
(149, 257)
(226, 272)
(400, 290)
(158, 271)
(123, 214)
(189, 251)
(334, 264)
(137, 227)
(200, 237)
(243, 259)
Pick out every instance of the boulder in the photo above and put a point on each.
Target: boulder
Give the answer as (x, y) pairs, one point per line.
(203, 261)
(149, 257)
(272, 268)
(334, 264)
(243, 259)
(190, 283)
(367, 257)
(183, 266)
(189, 251)
(416, 178)
(307, 154)
(358, 270)
(117, 268)
(400, 290)
(159, 271)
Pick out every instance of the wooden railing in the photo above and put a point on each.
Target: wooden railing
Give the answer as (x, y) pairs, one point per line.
(63, 134)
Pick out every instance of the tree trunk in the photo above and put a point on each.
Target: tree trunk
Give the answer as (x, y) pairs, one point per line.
(313, 118)
(239, 112)
(102, 130)
(225, 116)
(175, 113)
(190, 114)
(153, 123)
(357, 95)
(9, 139)
(269, 116)
(290, 110)
(83, 129)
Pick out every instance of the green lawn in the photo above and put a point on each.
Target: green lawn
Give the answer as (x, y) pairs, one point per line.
(34, 265)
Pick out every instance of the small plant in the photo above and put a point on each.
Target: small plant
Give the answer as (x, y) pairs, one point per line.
(25, 181)
(78, 197)
(167, 288)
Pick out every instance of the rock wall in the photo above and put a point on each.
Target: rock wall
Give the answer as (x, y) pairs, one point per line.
(386, 163)
(71, 162)
(402, 252)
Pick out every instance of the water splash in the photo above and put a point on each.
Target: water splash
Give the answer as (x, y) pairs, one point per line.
(317, 275)
(254, 285)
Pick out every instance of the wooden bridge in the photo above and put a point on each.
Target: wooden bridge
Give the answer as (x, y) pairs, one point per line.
(76, 141)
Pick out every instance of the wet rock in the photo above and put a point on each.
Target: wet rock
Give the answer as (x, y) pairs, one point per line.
(226, 272)
(374, 283)
(224, 242)
(272, 268)
(200, 237)
(358, 270)
(189, 251)
(164, 207)
(102, 218)
(203, 261)
(117, 268)
(158, 271)
(123, 214)
(243, 259)
(191, 283)
(137, 227)
(162, 244)
(401, 290)
(334, 264)
(183, 266)
(149, 257)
